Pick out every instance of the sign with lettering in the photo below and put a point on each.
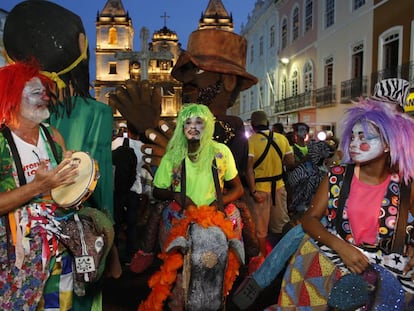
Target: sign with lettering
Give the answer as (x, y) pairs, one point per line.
(410, 103)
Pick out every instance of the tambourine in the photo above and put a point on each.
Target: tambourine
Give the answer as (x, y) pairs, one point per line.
(75, 194)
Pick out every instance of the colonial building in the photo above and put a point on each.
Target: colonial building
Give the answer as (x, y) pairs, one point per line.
(344, 48)
(393, 43)
(261, 34)
(216, 16)
(154, 63)
(328, 54)
(114, 33)
(116, 61)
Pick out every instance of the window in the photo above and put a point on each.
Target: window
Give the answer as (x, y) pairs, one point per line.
(294, 83)
(261, 99)
(261, 45)
(329, 13)
(251, 53)
(308, 77)
(283, 90)
(390, 54)
(271, 82)
(308, 15)
(295, 24)
(284, 33)
(357, 61)
(272, 36)
(112, 69)
(358, 4)
(251, 100)
(329, 71)
(164, 65)
(112, 36)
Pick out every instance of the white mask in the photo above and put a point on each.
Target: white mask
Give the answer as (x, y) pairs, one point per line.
(34, 101)
(364, 146)
(194, 128)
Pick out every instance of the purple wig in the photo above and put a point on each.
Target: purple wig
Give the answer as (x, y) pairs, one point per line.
(396, 129)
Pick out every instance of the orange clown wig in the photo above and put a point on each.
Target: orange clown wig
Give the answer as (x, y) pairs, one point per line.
(13, 79)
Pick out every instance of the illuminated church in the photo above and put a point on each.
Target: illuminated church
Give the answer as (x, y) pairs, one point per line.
(116, 60)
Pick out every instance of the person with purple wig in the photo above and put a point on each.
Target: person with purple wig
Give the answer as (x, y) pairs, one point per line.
(355, 245)
(369, 205)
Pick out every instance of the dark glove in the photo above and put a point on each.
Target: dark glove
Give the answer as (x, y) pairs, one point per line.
(138, 103)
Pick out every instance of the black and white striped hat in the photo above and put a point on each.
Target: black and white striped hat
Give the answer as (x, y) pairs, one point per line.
(392, 90)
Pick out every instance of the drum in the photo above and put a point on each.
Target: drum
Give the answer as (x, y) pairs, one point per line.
(75, 194)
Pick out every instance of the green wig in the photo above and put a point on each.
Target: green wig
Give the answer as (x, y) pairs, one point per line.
(177, 148)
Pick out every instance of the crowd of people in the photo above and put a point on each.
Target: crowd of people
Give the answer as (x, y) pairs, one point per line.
(339, 207)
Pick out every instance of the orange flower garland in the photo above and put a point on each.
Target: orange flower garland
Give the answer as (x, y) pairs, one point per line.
(162, 281)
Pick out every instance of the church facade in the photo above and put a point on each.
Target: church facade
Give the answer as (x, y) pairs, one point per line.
(117, 61)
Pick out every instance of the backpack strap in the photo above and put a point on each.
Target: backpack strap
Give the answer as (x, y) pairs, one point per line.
(50, 141)
(125, 143)
(16, 157)
(219, 194)
(183, 184)
(400, 233)
(343, 195)
(270, 142)
(22, 181)
(272, 179)
(214, 170)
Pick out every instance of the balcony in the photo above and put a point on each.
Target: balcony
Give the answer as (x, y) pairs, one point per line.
(354, 88)
(405, 71)
(294, 103)
(326, 96)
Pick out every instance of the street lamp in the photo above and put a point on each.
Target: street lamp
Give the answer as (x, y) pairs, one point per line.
(284, 60)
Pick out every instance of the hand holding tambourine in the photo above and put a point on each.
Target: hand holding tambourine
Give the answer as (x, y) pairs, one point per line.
(72, 195)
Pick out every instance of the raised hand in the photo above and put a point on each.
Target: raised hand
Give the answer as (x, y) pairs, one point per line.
(158, 138)
(138, 103)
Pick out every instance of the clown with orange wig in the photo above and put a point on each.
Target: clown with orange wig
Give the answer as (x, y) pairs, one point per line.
(31, 257)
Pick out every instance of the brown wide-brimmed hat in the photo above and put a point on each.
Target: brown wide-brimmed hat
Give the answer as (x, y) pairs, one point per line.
(216, 50)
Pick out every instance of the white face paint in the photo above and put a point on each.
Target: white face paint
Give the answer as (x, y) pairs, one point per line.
(34, 101)
(365, 147)
(194, 128)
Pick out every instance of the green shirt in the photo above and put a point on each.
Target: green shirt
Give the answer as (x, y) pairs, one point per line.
(199, 183)
(89, 129)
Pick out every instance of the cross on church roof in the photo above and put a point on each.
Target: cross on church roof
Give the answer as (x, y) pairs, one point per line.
(165, 16)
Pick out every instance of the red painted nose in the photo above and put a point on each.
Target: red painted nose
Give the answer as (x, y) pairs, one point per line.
(45, 96)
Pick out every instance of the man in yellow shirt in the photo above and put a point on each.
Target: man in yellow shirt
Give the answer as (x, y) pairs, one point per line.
(268, 152)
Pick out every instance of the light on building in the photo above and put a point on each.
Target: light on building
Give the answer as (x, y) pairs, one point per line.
(322, 135)
(284, 60)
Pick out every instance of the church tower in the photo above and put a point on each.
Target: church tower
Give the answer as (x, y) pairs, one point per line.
(154, 63)
(216, 16)
(114, 33)
(166, 41)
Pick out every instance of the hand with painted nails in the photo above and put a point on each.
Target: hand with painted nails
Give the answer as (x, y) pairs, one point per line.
(158, 138)
(138, 103)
